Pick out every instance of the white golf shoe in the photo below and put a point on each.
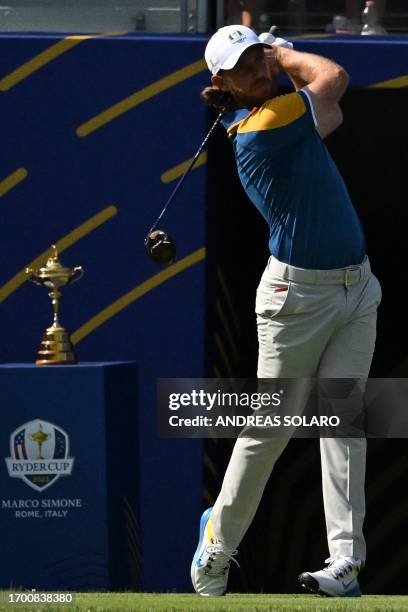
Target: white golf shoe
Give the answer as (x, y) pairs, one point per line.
(211, 562)
(338, 579)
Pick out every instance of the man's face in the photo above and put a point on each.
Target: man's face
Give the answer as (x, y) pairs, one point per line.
(250, 81)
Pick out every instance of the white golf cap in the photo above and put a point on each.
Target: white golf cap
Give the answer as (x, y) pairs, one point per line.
(226, 46)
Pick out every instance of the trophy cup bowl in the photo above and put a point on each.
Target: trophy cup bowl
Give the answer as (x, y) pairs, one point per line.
(56, 346)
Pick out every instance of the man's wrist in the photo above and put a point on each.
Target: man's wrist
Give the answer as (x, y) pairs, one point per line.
(283, 53)
(279, 53)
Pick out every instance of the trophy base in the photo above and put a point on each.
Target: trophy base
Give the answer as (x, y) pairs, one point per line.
(56, 348)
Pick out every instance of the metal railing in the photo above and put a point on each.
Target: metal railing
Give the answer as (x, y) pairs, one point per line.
(92, 16)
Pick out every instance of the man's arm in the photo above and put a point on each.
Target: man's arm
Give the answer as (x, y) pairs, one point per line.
(324, 80)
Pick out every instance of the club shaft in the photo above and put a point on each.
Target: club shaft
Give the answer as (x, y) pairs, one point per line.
(193, 161)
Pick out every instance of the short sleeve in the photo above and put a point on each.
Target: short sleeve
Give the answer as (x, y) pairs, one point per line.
(309, 104)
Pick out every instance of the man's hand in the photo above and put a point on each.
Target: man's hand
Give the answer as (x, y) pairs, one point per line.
(269, 39)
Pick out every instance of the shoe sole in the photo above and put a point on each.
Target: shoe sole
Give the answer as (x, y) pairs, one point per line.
(203, 522)
(311, 584)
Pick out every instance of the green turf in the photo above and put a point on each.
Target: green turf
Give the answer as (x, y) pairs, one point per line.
(173, 602)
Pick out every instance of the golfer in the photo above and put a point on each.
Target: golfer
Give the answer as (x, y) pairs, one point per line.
(317, 300)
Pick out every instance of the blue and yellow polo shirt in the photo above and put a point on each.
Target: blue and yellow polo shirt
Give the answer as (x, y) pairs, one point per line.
(288, 173)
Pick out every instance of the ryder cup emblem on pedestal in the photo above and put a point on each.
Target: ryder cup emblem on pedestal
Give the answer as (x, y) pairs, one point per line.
(39, 454)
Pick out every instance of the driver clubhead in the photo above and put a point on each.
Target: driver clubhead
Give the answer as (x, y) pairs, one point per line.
(161, 247)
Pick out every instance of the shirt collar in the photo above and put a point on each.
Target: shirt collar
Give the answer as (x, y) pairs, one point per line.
(232, 120)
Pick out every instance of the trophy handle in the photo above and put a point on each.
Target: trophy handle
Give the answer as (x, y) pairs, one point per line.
(32, 277)
(78, 273)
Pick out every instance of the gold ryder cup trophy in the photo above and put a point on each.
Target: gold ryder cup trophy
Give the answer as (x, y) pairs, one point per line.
(56, 346)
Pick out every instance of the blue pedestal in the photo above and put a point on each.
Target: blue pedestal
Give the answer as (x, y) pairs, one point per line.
(68, 505)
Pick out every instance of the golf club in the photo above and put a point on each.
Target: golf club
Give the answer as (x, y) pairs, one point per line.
(159, 245)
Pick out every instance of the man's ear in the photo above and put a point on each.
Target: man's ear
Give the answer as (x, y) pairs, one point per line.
(218, 81)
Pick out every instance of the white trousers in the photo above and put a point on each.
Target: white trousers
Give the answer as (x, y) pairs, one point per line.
(317, 324)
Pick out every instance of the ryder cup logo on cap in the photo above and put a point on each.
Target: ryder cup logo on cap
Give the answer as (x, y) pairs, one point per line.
(226, 46)
(237, 36)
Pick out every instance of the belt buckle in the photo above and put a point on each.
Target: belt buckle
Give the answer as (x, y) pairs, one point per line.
(347, 275)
